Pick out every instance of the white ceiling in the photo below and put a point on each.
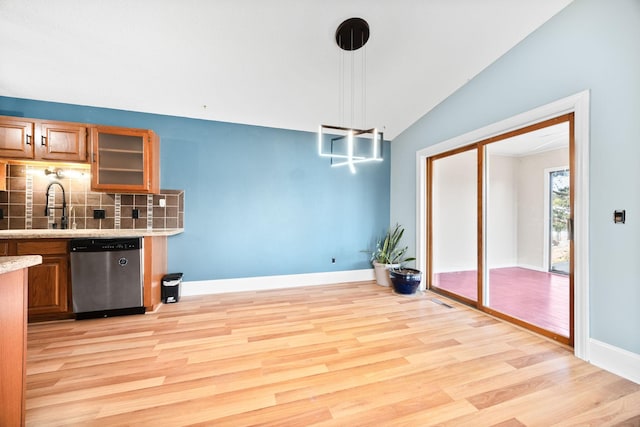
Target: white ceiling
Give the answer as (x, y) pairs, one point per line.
(262, 62)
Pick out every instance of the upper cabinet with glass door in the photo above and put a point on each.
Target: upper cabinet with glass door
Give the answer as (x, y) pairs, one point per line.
(125, 160)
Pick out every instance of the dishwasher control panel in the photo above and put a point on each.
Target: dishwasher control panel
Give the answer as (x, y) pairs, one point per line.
(101, 245)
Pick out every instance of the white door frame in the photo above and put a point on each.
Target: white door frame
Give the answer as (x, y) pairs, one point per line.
(579, 105)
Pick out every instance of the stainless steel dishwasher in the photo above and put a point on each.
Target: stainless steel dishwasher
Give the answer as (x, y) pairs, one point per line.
(106, 277)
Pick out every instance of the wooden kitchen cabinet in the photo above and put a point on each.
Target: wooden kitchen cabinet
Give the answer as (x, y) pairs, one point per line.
(48, 286)
(34, 139)
(13, 347)
(49, 292)
(3, 176)
(62, 141)
(125, 160)
(155, 267)
(16, 138)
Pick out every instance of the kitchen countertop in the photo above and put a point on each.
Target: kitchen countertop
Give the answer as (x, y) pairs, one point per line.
(86, 233)
(13, 263)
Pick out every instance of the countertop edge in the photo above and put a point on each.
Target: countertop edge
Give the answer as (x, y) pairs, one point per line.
(88, 233)
(13, 263)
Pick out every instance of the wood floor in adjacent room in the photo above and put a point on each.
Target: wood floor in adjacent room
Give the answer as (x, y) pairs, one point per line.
(349, 354)
(536, 297)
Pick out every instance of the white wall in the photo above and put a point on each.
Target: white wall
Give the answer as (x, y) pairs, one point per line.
(502, 212)
(454, 212)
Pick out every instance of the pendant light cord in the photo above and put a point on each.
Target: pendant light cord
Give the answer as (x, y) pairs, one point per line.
(353, 95)
(341, 101)
(364, 86)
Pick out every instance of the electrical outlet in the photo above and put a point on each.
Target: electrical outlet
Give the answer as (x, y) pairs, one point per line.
(162, 203)
(99, 214)
(135, 213)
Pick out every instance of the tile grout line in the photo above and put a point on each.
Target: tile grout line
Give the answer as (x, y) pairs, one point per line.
(117, 209)
(149, 211)
(28, 200)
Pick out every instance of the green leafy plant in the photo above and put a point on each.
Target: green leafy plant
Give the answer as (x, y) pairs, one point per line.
(388, 249)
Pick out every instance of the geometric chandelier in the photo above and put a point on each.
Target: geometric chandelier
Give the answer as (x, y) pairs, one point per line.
(346, 145)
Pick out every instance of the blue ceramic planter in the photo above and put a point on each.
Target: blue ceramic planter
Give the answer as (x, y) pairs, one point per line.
(406, 280)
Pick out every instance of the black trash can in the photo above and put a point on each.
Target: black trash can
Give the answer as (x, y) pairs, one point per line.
(170, 290)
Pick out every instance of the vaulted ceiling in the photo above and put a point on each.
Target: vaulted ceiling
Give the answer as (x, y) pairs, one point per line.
(262, 62)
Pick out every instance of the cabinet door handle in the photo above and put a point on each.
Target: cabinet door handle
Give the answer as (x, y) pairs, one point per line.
(28, 139)
(43, 141)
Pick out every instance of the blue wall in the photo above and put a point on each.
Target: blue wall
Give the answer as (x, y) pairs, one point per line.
(591, 45)
(258, 201)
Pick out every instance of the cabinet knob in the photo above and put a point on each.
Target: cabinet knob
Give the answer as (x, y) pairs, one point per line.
(43, 140)
(28, 139)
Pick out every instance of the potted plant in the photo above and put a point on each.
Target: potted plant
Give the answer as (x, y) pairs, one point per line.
(389, 254)
(405, 280)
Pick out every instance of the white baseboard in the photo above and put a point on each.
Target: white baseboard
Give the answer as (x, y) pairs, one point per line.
(205, 287)
(616, 360)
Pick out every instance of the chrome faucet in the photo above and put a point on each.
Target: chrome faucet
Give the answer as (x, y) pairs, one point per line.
(64, 221)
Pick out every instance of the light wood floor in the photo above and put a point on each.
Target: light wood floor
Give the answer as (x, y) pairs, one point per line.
(350, 354)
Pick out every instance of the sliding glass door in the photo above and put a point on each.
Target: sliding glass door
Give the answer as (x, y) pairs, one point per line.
(517, 281)
(454, 237)
(498, 233)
